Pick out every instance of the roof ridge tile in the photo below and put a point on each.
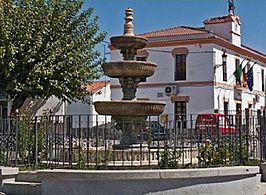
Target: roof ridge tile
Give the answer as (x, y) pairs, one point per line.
(174, 31)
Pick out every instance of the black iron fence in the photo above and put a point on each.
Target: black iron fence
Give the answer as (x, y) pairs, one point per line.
(166, 141)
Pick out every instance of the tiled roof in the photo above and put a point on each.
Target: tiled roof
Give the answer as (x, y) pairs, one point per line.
(222, 19)
(96, 86)
(253, 50)
(175, 31)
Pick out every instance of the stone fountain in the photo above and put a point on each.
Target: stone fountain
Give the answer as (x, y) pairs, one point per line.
(129, 113)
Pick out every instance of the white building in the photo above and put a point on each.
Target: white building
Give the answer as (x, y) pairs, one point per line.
(100, 91)
(83, 114)
(195, 68)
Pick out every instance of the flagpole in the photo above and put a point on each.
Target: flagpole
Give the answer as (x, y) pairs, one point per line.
(246, 64)
(242, 63)
(253, 65)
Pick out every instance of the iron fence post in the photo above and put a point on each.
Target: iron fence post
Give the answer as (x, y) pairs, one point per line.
(79, 147)
(191, 137)
(36, 140)
(16, 138)
(262, 131)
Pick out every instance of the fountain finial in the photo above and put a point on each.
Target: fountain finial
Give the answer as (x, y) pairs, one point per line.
(128, 26)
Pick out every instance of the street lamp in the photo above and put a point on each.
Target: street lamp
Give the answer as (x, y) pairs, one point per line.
(224, 58)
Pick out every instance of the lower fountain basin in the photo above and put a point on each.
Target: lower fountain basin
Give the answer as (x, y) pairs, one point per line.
(119, 69)
(129, 108)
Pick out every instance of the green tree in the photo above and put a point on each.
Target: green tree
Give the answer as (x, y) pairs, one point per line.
(47, 47)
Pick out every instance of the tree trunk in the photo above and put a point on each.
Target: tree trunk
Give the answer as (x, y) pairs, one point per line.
(18, 102)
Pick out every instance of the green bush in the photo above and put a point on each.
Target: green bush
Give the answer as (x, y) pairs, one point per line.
(169, 158)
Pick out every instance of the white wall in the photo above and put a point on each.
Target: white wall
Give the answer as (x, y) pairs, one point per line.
(201, 61)
(199, 68)
(79, 108)
(221, 93)
(225, 30)
(85, 109)
(52, 103)
(104, 95)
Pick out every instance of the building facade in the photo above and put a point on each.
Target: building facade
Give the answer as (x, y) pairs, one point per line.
(83, 114)
(100, 91)
(201, 70)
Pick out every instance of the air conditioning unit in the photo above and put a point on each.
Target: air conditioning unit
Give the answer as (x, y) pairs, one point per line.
(171, 90)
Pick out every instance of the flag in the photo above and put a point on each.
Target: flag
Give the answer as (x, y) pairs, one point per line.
(238, 72)
(244, 77)
(250, 78)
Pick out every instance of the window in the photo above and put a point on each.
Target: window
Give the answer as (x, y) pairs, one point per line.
(180, 113)
(226, 108)
(180, 107)
(262, 81)
(224, 71)
(237, 63)
(142, 58)
(180, 67)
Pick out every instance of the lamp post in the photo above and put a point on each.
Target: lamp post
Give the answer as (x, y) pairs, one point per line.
(224, 58)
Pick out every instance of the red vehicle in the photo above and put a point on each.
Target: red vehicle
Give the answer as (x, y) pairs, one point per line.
(214, 123)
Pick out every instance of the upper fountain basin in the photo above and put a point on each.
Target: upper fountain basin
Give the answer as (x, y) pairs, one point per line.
(126, 42)
(119, 69)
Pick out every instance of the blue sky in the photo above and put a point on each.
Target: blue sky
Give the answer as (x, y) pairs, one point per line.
(150, 15)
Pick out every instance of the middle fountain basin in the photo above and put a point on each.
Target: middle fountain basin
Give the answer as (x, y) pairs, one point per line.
(119, 69)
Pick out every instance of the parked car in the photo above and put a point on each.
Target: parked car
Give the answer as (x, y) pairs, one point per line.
(155, 131)
(214, 124)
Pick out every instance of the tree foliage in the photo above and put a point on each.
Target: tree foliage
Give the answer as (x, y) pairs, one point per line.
(47, 47)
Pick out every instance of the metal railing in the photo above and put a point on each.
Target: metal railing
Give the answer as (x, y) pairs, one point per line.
(83, 141)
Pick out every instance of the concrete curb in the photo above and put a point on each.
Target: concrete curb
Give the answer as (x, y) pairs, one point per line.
(146, 174)
(7, 174)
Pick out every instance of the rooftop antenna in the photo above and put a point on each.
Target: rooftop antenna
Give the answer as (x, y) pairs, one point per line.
(231, 7)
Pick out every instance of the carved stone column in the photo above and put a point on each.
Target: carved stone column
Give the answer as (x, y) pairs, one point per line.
(129, 87)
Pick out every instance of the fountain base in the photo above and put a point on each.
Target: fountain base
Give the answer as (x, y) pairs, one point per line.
(131, 127)
(130, 116)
